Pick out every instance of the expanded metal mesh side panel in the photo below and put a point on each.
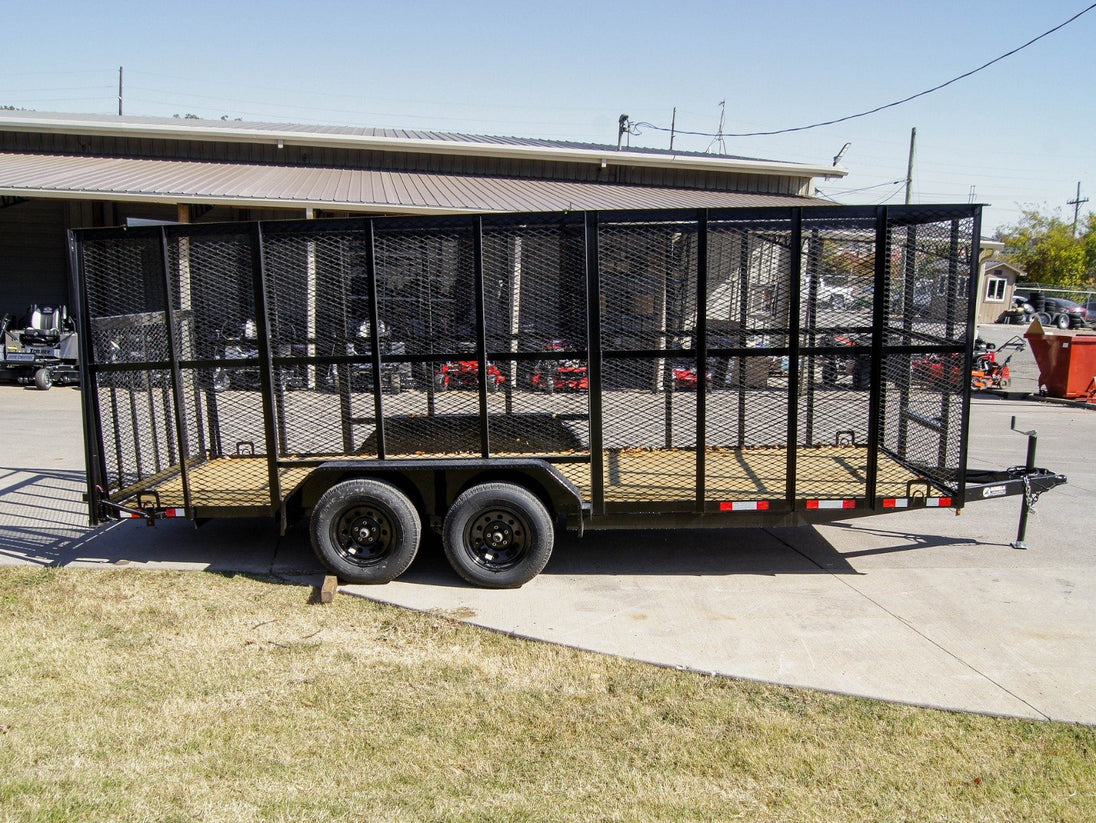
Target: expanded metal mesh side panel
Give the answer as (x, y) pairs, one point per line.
(534, 304)
(923, 413)
(927, 303)
(213, 285)
(425, 280)
(319, 311)
(747, 310)
(649, 374)
(138, 427)
(123, 279)
(928, 282)
(836, 319)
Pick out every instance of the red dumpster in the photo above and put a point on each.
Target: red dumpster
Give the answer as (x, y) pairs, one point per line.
(1066, 360)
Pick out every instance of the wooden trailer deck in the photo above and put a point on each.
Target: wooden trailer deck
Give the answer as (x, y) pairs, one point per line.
(631, 475)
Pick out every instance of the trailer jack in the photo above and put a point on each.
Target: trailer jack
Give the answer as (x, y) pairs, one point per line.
(1027, 481)
(1029, 497)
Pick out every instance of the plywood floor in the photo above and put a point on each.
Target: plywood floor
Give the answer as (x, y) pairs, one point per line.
(630, 475)
(742, 474)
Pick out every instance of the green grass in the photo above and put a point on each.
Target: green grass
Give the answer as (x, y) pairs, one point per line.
(137, 695)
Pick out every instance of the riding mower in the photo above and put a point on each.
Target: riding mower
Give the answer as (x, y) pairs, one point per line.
(42, 349)
(987, 372)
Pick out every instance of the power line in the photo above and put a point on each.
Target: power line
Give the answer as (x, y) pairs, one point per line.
(869, 188)
(878, 109)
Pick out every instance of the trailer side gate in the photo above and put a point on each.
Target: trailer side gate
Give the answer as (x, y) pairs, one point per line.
(627, 368)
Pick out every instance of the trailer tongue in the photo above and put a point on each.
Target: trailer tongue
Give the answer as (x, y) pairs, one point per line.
(578, 370)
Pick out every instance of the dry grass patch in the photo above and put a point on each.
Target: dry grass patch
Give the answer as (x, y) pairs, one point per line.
(136, 695)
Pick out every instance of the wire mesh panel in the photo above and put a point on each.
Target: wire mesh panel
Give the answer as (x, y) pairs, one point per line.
(748, 316)
(836, 336)
(648, 290)
(927, 293)
(427, 304)
(535, 330)
(319, 309)
(212, 277)
(123, 279)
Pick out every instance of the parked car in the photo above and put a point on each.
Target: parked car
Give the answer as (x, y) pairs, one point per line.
(1057, 311)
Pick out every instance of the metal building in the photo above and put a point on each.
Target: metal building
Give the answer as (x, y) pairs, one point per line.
(60, 171)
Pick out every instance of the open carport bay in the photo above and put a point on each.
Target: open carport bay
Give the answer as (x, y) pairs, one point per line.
(921, 606)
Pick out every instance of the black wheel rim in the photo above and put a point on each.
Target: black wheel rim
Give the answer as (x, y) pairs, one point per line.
(364, 534)
(497, 539)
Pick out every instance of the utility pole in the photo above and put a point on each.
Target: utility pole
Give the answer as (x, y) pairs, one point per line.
(909, 168)
(673, 127)
(1076, 202)
(119, 91)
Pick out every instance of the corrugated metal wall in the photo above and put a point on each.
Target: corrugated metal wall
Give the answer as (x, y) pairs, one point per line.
(33, 256)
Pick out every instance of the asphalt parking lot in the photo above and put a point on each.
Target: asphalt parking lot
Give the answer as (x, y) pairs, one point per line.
(921, 607)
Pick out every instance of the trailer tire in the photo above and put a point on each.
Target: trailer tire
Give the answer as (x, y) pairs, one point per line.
(498, 535)
(365, 531)
(43, 379)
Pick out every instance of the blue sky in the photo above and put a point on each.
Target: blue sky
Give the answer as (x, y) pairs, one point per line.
(1021, 133)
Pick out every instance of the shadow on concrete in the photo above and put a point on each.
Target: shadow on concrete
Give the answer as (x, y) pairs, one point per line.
(904, 541)
(681, 552)
(44, 521)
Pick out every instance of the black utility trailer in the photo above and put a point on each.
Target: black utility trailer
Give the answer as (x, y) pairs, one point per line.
(717, 387)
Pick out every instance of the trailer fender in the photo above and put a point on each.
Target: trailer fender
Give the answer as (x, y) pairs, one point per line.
(433, 485)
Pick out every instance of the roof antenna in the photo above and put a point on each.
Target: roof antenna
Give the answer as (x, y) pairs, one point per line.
(719, 134)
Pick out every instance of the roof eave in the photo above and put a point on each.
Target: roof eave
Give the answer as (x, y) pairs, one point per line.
(236, 134)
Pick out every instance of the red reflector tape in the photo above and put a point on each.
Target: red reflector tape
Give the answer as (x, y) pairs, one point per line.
(831, 504)
(938, 501)
(175, 513)
(896, 503)
(744, 506)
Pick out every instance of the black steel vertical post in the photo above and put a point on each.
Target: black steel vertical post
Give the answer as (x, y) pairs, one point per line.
(176, 370)
(266, 364)
(973, 269)
(94, 460)
(374, 337)
(594, 365)
(701, 356)
(740, 338)
(814, 265)
(878, 333)
(949, 334)
(165, 402)
(795, 277)
(1025, 506)
(481, 334)
(909, 272)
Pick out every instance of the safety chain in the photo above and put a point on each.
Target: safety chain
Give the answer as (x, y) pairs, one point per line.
(1030, 497)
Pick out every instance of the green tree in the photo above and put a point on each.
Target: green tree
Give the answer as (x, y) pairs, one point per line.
(1046, 248)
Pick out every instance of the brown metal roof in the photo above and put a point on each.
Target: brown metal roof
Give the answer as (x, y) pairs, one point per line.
(176, 181)
(398, 140)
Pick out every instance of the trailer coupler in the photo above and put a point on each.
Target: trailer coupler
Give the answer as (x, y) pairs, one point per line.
(1018, 480)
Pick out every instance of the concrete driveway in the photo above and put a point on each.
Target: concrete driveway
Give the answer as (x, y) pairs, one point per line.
(920, 607)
